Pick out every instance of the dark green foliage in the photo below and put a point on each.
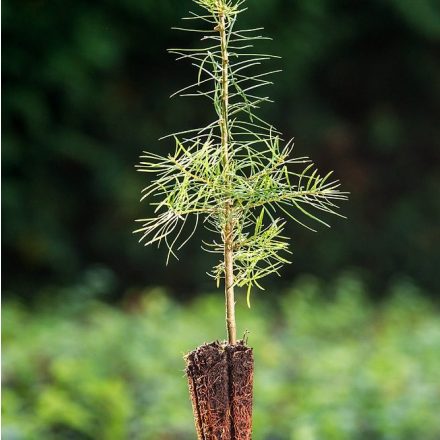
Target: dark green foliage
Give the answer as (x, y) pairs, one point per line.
(83, 92)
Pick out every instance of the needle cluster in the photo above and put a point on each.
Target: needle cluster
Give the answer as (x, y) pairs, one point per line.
(235, 176)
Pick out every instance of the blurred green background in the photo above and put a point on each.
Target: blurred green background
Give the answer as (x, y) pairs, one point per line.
(346, 342)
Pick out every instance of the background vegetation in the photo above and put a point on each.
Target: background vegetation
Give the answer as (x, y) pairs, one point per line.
(92, 346)
(332, 367)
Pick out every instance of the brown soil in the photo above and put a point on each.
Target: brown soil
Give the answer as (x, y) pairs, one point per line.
(220, 379)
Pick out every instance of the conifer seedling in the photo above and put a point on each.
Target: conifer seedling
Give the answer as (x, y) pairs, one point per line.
(235, 176)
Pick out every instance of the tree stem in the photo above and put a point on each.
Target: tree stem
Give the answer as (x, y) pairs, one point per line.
(228, 232)
(229, 286)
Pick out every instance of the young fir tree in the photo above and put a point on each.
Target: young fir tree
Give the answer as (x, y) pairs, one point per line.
(235, 176)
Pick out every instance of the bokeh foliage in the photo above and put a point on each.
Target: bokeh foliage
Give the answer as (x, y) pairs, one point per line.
(329, 365)
(85, 90)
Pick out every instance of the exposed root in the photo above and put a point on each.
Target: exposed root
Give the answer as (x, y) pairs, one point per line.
(220, 379)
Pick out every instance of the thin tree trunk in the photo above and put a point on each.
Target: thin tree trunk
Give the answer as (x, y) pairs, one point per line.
(229, 286)
(228, 233)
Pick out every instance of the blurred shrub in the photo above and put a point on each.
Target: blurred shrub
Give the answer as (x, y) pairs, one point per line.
(328, 367)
